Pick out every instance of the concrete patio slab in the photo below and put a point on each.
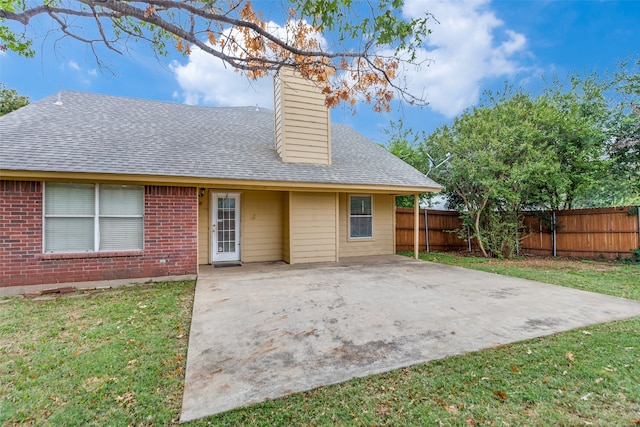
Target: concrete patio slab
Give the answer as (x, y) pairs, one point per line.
(264, 331)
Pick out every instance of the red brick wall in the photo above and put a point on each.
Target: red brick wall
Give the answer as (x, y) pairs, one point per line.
(170, 235)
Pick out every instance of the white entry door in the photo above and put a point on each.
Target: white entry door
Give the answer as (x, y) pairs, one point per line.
(225, 227)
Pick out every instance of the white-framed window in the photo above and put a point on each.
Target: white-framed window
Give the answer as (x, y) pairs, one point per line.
(93, 217)
(360, 217)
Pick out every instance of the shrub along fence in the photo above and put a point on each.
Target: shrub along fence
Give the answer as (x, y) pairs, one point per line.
(586, 233)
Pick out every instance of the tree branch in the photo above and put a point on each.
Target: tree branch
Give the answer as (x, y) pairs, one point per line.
(239, 37)
(25, 16)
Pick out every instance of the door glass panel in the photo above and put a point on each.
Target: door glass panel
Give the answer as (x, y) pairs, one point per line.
(226, 224)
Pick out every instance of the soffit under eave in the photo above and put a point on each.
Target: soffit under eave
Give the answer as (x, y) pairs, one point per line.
(227, 184)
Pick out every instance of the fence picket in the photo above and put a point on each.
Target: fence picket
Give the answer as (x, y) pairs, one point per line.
(586, 233)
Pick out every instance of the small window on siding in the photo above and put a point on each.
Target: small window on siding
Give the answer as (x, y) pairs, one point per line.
(361, 217)
(92, 218)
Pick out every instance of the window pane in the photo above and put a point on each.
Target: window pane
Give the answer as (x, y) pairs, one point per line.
(67, 231)
(361, 226)
(360, 205)
(120, 234)
(68, 234)
(121, 200)
(69, 199)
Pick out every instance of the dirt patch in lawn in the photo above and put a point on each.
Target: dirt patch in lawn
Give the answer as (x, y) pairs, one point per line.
(538, 263)
(561, 264)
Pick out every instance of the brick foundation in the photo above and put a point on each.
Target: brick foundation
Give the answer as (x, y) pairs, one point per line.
(170, 240)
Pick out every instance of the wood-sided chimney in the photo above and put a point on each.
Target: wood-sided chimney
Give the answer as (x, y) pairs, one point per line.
(302, 122)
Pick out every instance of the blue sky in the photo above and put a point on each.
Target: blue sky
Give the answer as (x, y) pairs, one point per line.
(477, 45)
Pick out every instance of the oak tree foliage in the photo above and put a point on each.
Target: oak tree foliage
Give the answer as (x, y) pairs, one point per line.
(362, 63)
(516, 152)
(11, 100)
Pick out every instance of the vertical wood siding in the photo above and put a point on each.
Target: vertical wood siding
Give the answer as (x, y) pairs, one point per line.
(312, 224)
(204, 227)
(262, 226)
(441, 235)
(586, 233)
(286, 228)
(589, 233)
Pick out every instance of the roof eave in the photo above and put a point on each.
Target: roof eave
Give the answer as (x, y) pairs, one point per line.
(225, 183)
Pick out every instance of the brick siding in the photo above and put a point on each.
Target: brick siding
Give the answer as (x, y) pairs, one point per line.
(170, 240)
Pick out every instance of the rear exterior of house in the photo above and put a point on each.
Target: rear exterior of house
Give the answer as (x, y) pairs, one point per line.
(176, 228)
(293, 226)
(36, 247)
(97, 188)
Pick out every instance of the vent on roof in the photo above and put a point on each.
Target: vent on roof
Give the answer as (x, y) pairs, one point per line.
(59, 101)
(302, 125)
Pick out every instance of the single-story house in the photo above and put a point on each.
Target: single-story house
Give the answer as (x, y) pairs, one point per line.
(100, 188)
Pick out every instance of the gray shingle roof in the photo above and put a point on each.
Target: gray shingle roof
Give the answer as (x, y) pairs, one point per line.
(108, 134)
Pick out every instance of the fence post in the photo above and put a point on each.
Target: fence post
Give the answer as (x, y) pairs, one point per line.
(517, 237)
(638, 215)
(553, 228)
(416, 225)
(426, 231)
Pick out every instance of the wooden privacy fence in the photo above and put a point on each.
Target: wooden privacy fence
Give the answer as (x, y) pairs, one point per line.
(584, 233)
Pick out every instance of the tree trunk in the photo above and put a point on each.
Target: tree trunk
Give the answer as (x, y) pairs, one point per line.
(476, 220)
(477, 232)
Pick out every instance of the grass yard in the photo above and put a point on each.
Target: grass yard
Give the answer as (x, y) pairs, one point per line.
(605, 277)
(106, 358)
(117, 358)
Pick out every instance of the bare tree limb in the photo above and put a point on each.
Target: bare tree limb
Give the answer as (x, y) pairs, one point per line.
(238, 36)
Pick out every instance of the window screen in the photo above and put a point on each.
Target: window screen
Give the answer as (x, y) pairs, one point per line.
(360, 217)
(90, 217)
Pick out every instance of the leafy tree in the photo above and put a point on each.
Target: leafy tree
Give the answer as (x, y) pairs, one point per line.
(496, 167)
(618, 183)
(404, 144)
(573, 125)
(625, 147)
(234, 32)
(10, 100)
(514, 153)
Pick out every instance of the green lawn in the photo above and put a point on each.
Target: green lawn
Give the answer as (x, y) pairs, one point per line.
(611, 278)
(104, 358)
(117, 358)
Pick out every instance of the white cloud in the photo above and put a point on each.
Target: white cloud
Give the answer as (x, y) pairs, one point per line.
(81, 75)
(73, 65)
(468, 46)
(205, 79)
